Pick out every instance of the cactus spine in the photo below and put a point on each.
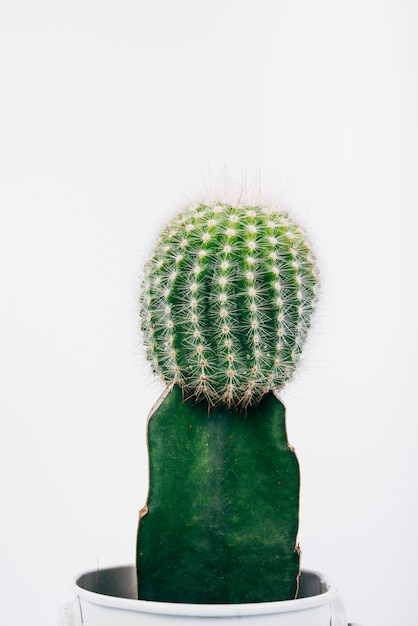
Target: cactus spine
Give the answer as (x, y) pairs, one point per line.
(227, 300)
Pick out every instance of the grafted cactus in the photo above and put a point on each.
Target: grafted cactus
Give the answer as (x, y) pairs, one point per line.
(227, 301)
(226, 305)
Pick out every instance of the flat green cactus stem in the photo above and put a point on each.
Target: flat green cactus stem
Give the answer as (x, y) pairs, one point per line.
(221, 519)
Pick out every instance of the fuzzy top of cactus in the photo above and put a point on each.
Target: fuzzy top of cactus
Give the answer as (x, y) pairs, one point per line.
(226, 301)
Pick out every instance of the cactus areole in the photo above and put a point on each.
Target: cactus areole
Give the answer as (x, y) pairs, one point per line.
(226, 304)
(227, 300)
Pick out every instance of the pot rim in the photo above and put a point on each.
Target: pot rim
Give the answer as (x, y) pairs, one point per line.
(182, 609)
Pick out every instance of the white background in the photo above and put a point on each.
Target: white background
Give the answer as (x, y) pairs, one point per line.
(113, 113)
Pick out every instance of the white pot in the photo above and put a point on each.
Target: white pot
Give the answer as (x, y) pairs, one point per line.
(107, 597)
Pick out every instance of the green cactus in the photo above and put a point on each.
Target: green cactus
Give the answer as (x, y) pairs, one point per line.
(225, 307)
(227, 301)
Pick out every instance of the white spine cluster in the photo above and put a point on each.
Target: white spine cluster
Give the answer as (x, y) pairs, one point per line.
(227, 301)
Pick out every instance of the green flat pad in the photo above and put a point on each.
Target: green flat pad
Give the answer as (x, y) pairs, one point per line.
(222, 506)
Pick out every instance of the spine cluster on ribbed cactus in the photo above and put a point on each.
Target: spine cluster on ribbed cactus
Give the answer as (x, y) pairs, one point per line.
(227, 301)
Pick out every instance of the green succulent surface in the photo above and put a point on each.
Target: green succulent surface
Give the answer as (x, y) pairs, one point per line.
(227, 300)
(221, 520)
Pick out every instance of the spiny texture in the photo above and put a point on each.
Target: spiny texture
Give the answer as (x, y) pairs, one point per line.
(227, 300)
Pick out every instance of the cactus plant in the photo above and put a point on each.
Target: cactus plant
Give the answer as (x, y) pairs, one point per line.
(225, 307)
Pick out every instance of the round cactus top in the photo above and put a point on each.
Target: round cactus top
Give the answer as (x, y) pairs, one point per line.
(227, 300)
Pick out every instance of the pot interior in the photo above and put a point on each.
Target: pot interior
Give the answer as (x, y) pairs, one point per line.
(120, 582)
